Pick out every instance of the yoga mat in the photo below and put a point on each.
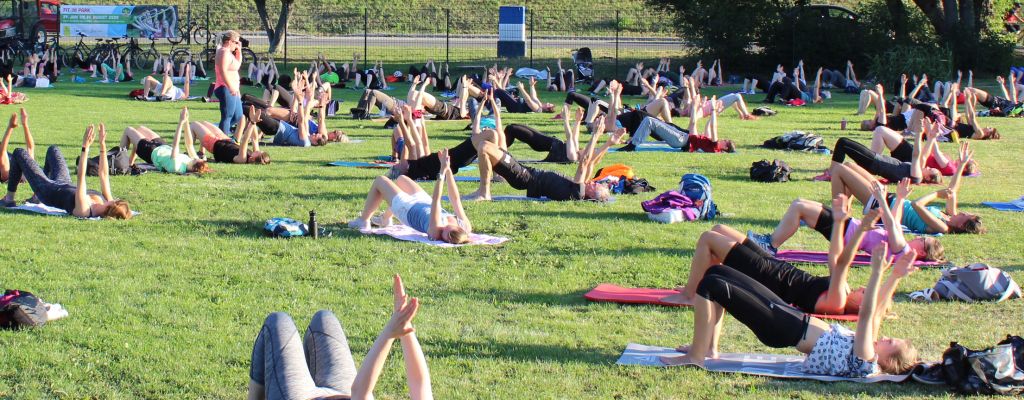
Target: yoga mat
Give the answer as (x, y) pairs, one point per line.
(821, 257)
(770, 365)
(271, 144)
(508, 198)
(405, 233)
(1016, 205)
(457, 179)
(39, 208)
(647, 147)
(609, 293)
(361, 164)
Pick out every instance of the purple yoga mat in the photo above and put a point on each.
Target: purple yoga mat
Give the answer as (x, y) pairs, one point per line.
(820, 257)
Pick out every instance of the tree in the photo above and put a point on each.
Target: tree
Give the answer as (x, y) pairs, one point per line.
(959, 23)
(276, 33)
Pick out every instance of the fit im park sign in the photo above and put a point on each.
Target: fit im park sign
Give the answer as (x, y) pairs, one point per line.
(119, 21)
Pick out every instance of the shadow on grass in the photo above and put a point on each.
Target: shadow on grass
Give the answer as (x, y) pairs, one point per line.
(497, 296)
(527, 352)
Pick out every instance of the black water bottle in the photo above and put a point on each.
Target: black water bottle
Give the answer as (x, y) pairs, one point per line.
(314, 228)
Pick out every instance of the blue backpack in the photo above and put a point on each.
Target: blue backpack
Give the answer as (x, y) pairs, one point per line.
(285, 228)
(698, 188)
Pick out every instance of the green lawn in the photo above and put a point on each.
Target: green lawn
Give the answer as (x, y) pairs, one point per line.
(167, 305)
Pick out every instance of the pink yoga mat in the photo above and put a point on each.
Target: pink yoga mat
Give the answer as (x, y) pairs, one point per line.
(820, 257)
(607, 292)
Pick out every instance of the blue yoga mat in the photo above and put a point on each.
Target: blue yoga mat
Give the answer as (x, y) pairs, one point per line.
(510, 198)
(1004, 206)
(358, 164)
(645, 147)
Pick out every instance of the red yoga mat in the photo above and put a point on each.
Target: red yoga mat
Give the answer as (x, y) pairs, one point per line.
(607, 292)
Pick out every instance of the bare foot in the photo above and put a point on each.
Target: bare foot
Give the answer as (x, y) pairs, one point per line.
(712, 353)
(359, 224)
(476, 196)
(678, 299)
(750, 117)
(680, 360)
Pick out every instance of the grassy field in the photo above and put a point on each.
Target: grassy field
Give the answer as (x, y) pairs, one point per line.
(167, 305)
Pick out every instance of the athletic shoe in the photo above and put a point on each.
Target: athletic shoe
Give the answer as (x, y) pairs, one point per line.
(764, 241)
(627, 147)
(8, 204)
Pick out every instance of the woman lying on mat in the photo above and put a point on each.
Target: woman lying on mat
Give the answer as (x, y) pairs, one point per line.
(899, 148)
(429, 166)
(525, 102)
(681, 100)
(153, 150)
(811, 294)
(224, 148)
(52, 184)
(165, 89)
(30, 144)
(917, 215)
(818, 217)
(320, 364)
(558, 151)
(831, 349)
(686, 140)
(565, 82)
(418, 210)
(892, 168)
(550, 184)
(998, 106)
(303, 132)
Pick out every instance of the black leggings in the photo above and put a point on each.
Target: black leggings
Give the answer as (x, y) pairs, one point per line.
(51, 184)
(582, 100)
(775, 323)
(537, 141)
(785, 89)
(532, 137)
(887, 167)
(512, 104)
(268, 125)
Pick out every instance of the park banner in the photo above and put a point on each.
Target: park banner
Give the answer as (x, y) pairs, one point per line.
(118, 21)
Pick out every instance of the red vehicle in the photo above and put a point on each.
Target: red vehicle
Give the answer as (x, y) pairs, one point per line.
(35, 21)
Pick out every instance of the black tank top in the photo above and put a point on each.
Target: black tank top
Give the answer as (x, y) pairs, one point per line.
(225, 151)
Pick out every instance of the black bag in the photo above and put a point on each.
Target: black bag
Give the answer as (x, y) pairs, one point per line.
(117, 161)
(775, 171)
(764, 112)
(636, 186)
(24, 311)
(995, 370)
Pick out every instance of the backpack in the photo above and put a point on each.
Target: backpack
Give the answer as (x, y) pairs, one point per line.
(995, 370)
(135, 93)
(796, 140)
(775, 171)
(117, 162)
(698, 188)
(614, 170)
(976, 282)
(21, 310)
(285, 227)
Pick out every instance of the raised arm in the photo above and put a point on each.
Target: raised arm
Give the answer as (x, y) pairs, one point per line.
(104, 169)
(30, 143)
(841, 253)
(436, 219)
(584, 163)
(920, 84)
(933, 222)
(416, 370)
(1002, 85)
(182, 122)
(453, 192)
(903, 267)
(892, 225)
(864, 341)
(82, 203)
(398, 326)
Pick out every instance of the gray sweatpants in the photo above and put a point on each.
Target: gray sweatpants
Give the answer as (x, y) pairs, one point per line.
(319, 365)
(673, 136)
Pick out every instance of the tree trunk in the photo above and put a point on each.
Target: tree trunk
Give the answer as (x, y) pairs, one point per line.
(276, 33)
(931, 9)
(899, 19)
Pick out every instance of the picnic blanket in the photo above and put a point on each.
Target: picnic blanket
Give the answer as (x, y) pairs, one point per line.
(607, 292)
(402, 232)
(821, 257)
(770, 365)
(39, 208)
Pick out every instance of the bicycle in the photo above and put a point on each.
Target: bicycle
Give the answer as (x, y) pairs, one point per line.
(79, 53)
(139, 55)
(209, 55)
(106, 49)
(191, 32)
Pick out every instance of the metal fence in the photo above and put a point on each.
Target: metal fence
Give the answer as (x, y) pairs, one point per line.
(459, 36)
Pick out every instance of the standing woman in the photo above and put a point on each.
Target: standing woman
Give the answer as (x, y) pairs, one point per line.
(228, 62)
